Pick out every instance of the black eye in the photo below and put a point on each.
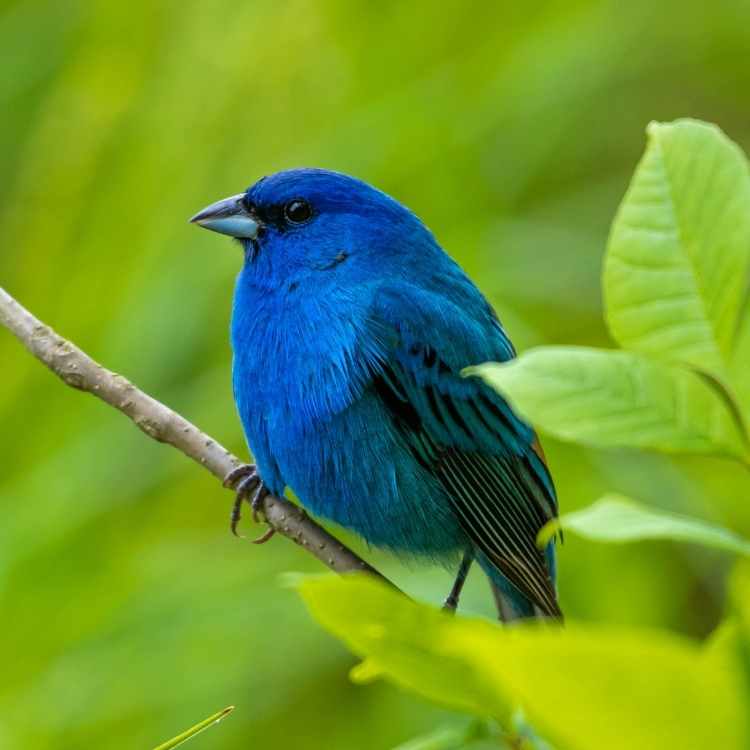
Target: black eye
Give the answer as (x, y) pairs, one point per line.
(297, 211)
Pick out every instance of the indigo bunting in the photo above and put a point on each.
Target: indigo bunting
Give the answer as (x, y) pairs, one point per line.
(350, 329)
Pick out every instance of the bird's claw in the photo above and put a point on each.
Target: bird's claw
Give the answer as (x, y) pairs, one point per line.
(257, 502)
(263, 538)
(248, 485)
(241, 477)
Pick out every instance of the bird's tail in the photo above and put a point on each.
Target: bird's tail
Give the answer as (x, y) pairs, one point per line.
(511, 603)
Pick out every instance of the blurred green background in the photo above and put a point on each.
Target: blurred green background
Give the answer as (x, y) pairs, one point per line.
(128, 611)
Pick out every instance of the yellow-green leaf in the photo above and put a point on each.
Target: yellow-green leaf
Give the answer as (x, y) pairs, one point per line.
(584, 687)
(408, 643)
(614, 518)
(679, 251)
(616, 398)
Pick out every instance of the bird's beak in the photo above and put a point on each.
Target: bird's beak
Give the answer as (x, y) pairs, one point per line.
(229, 217)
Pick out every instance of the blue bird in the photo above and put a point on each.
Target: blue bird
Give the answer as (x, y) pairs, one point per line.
(350, 328)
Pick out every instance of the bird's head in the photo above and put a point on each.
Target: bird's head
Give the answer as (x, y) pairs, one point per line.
(297, 224)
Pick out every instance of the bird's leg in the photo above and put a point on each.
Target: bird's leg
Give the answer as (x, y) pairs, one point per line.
(451, 601)
(248, 485)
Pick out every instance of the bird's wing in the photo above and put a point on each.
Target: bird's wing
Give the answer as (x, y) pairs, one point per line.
(487, 459)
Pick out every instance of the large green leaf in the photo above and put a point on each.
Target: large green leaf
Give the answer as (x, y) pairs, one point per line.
(618, 519)
(428, 664)
(584, 687)
(679, 250)
(616, 398)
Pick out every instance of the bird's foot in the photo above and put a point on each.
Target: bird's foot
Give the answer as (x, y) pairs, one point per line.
(248, 486)
(451, 603)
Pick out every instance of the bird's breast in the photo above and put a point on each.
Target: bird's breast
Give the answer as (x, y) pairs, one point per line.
(296, 365)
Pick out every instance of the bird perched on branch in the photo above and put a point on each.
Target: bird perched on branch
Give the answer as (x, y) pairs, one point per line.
(350, 329)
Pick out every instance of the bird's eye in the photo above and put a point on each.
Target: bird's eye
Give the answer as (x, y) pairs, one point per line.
(297, 211)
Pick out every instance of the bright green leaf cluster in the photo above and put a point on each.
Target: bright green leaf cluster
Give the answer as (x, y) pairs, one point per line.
(584, 687)
(675, 281)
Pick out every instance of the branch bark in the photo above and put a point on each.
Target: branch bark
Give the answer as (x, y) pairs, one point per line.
(75, 368)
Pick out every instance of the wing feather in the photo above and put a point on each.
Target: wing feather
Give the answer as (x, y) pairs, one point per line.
(471, 441)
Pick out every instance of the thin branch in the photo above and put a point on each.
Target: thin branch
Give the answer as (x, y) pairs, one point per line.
(161, 423)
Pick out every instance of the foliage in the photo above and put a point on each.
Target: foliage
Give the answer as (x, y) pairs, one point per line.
(675, 276)
(675, 282)
(584, 687)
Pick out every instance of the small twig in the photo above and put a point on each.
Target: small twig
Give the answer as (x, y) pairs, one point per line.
(161, 423)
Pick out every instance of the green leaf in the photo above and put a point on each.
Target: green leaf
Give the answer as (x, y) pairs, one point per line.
(679, 251)
(614, 398)
(584, 687)
(429, 665)
(618, 519)
(197, 729)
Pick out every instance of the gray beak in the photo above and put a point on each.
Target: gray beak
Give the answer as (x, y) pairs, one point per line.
(229, 217)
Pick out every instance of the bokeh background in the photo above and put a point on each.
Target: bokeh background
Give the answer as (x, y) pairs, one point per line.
(127, 610)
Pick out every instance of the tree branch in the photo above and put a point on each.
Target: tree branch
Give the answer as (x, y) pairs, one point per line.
(161, 423)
